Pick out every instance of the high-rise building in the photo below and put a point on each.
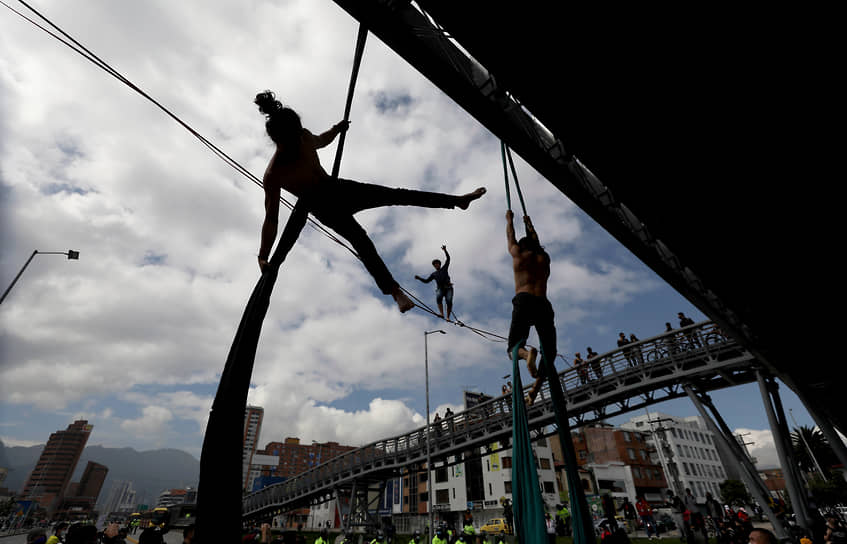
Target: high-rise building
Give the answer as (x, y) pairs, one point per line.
(49, 479)
(252, 427)
(81, 496)
(295, 457)
(121, 498)
(687, 450)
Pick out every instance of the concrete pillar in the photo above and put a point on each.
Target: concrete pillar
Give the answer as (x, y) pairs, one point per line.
(776, 418)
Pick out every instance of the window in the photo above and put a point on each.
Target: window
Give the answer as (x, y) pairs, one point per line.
(442, 496)
(679, 449)
(631, 453)
(583, 454)
(490, 491)
(545, 463)
(507, 463)
(508, 486)
(639, 423)
(441, 474)
(644, 455)
(487, 465)
(656, 474)
(636, 472)
(685, 467)
(548, 487)
(627, 437)
(673, 432)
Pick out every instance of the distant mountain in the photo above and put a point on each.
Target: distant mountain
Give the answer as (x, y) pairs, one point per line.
(150, 472)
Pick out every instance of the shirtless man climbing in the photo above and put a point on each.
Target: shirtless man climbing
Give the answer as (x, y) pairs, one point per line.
(530, 307)
(296, 168)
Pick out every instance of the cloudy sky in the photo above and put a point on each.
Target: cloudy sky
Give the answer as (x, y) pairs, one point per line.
(134, 334)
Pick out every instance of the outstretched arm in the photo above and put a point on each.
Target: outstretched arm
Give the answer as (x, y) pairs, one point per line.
(269, 226)
(511, 242)
(425, 280)
(327, 137)
(447, 260)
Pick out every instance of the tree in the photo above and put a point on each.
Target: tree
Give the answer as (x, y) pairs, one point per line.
(734, 493)
(818, 445)
(830, 492)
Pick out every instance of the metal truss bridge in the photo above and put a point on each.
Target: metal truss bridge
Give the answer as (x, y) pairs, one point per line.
(622, 380)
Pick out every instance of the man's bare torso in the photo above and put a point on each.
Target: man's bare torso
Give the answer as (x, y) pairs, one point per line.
(531, 272)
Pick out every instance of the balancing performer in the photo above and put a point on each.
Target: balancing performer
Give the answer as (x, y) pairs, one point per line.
(296, 168)
(443, 285)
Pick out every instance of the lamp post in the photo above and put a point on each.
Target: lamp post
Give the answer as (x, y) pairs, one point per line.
(430, 501)
(72, 255)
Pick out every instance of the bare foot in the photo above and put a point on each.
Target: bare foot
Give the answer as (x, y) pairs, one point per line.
(530, 362)
(465, 200)
(402, 301)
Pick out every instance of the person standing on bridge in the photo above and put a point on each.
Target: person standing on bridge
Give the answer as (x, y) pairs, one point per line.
(592, 359)
(691, 334)
(443, 285)
(530, 307)
(581, 368)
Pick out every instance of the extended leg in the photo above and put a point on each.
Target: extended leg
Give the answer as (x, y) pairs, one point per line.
(364, 196)
(347, 227)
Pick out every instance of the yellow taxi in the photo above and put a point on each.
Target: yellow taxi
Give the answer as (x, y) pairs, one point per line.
(495, 527)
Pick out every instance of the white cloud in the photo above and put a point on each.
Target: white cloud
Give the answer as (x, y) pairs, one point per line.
(153, 421)
(167, 233)
(761, 446)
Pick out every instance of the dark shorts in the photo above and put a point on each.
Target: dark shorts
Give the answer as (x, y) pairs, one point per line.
(528, 311)
(445, 293)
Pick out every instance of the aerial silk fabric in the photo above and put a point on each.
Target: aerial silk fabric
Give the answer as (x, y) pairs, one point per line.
(219, 497)
(528, 505)
(219, 491)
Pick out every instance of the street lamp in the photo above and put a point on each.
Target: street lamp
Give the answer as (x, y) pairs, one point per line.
(430, 501)
(72, 255)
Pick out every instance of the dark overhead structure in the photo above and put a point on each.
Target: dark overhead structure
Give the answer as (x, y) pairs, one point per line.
(676, 130)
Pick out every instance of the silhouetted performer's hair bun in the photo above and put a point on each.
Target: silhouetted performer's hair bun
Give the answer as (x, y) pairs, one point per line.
(267, 102)
(282, 125)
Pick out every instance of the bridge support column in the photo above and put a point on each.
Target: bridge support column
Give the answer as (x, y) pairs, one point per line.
(781, 438)
(748, 471)
(826, 428)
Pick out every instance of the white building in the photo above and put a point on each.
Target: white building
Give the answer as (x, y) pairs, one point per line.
(252, 427)
(121, 498)
(689, 454)
(481, 485)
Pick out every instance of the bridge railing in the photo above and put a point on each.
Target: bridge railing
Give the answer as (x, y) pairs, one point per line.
(688, 343)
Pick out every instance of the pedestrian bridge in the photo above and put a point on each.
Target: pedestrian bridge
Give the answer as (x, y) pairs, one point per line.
(619, 381)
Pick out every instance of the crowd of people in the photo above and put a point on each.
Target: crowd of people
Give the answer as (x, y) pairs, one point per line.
(113, 533)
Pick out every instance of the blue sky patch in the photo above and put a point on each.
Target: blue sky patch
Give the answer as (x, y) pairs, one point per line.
(388, 103)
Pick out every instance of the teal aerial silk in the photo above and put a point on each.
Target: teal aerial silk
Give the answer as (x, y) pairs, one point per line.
(528, 506)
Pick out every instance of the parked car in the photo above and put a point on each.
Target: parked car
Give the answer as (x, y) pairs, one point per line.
(495, 527)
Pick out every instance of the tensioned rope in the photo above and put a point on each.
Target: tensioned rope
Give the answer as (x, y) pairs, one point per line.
(83, 51)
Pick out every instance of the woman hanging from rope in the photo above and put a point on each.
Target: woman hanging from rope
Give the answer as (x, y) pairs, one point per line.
(296, 168)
